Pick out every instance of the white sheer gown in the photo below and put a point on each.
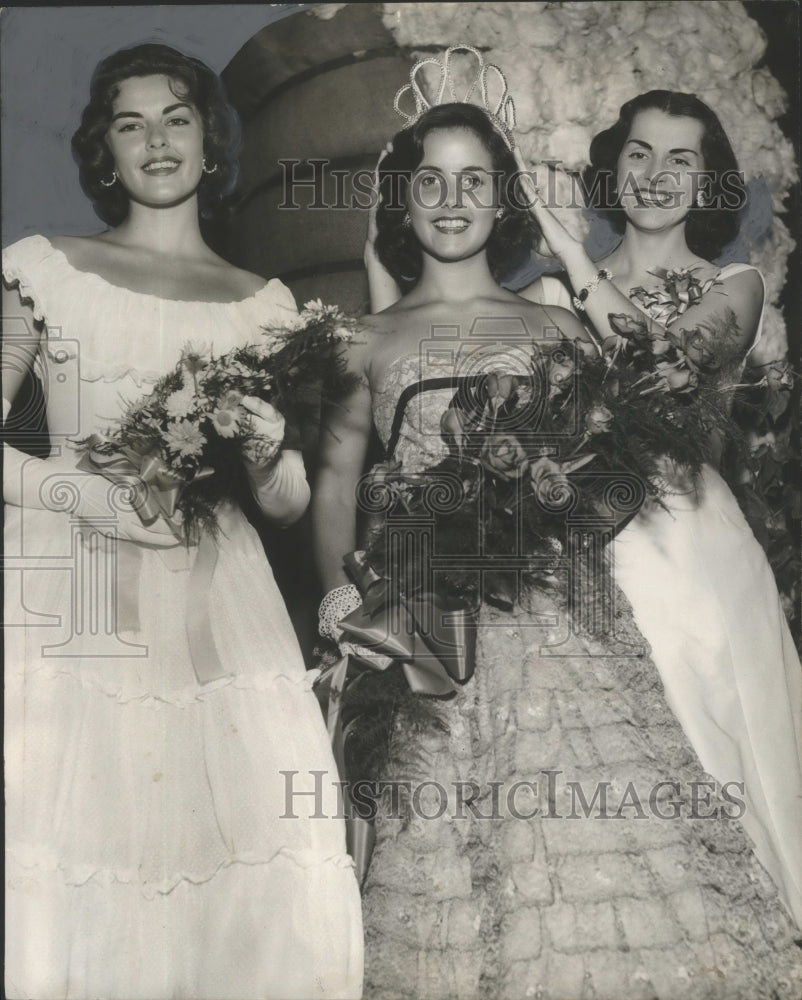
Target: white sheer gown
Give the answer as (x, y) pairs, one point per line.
(704, 596)
(154, 845)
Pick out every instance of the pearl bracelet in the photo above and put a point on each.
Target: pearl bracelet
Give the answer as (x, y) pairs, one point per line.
(591, 286)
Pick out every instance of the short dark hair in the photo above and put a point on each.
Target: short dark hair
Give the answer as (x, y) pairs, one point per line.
(194, 82)
(513, 235)
(709, 228)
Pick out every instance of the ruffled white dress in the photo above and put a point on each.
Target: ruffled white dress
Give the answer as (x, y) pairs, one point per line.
(156, 841)
(704, 596)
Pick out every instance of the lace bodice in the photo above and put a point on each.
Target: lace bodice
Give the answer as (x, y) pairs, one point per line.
(420, 443)
(104, 345)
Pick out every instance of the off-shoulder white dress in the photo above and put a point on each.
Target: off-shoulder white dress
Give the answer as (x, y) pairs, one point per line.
(155, 846)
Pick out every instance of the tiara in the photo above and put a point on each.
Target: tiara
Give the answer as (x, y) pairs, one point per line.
(502, 113)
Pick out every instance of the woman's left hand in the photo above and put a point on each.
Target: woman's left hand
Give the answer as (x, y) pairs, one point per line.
(559, 242)
(268, 427)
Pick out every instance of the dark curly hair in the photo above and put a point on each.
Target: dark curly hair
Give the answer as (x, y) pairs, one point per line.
(192, 81)
(513, 235)
(708, 229)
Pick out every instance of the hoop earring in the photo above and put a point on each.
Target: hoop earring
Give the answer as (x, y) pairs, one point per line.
(209, 170)
(109, 183)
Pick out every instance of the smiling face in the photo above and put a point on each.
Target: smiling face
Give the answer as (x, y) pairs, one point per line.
(660, 169)
(156, 139)
(452, 198)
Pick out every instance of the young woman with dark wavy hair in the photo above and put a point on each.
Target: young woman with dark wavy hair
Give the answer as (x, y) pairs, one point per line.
(700, 585)
(151, 849)
(447, 223)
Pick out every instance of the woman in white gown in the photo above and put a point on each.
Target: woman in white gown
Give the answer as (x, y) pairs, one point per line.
(156, 843)
(700, 586)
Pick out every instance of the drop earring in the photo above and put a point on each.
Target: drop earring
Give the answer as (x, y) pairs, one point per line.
(500, 213)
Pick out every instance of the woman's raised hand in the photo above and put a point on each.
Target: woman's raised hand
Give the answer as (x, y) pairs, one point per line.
(373, 229)
(558, 241)
(383, 289)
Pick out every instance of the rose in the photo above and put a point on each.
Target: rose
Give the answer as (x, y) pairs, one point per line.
(698, 349)
(503, 455)
(676, 379)
(638, 329)
(759, 444)
(631, 327)
(660, 346)
(598, 419)
(550, 478)
(525, 394)
(499, 389)
(546, 476)
(680, 379)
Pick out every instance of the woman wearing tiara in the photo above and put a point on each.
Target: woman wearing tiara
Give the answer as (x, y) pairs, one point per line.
(150, 851)
(699, 583)
(479, 883)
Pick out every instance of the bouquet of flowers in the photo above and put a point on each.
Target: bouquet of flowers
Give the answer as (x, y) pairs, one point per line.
(182, 445)
(592, 430)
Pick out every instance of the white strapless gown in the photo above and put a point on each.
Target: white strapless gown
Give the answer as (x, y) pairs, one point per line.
(704, 596)
(150, 850)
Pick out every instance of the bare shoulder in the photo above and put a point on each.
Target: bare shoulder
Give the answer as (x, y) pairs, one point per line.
(746, 282)
(375, 331)
(552, 321)
(741, 281)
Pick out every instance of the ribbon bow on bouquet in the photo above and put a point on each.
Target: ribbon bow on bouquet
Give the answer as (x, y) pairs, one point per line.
(157, 487)
(432, 637)
(681, 289)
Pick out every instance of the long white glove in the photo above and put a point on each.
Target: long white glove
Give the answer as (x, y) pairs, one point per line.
(279, 486)
(56, 485)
